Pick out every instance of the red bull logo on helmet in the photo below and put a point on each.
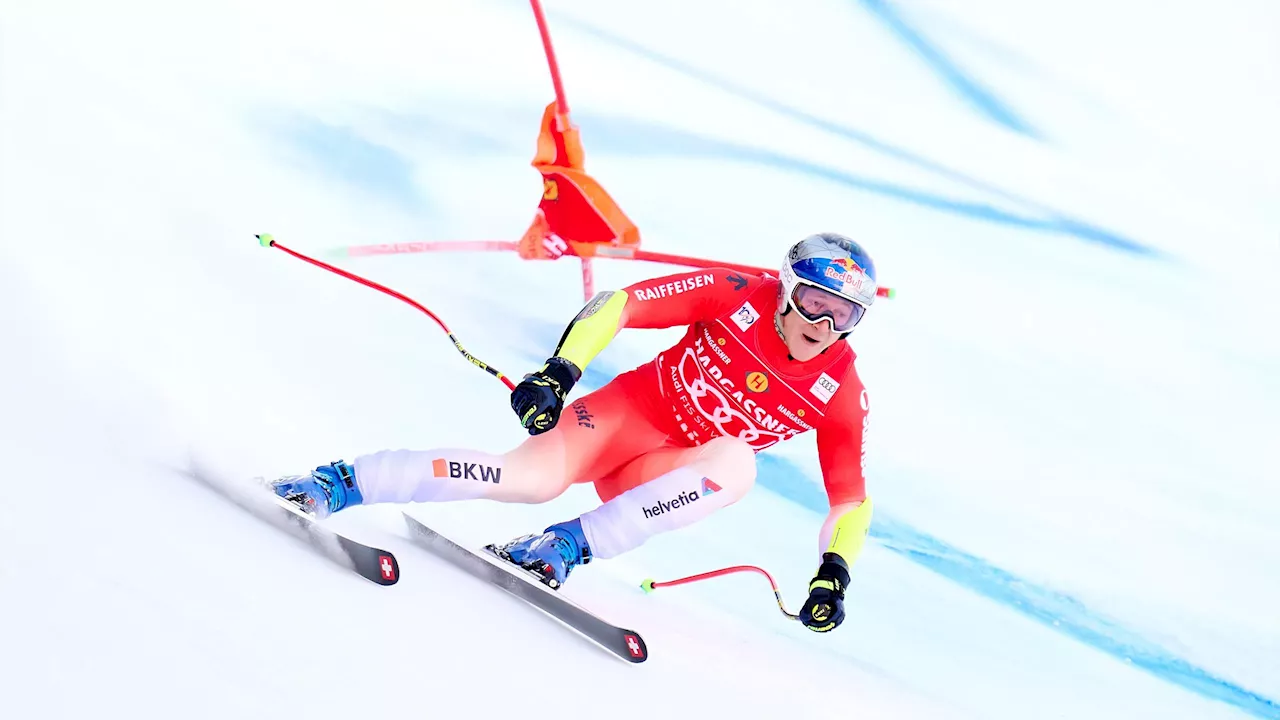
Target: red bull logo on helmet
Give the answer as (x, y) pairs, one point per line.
(846, 271)
(848, 264)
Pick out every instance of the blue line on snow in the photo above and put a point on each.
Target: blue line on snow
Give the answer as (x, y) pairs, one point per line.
(350, 158)
(624, 136)
(1070, 225)
(627, 136)
(982, 99)
(1049, 607)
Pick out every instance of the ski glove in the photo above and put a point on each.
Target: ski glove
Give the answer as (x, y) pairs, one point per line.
(539, 398)
(824, 610)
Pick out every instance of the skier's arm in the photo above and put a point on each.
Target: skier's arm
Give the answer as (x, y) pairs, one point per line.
(841, 456)
(663, 302)
(658, 303)
(840, 440)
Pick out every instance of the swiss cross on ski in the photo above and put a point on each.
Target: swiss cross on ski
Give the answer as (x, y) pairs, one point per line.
(634, 647)
(388, 566)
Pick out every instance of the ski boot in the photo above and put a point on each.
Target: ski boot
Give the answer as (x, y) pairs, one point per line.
(328, 489)
(549, 555)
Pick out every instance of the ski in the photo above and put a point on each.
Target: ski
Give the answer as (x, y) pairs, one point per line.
(371, 563)
(626, 644)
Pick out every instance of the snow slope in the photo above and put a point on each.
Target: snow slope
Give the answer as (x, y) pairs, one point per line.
(1071, 396)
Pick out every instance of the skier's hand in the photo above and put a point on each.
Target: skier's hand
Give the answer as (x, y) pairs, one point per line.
(539, 398)
(824, 609)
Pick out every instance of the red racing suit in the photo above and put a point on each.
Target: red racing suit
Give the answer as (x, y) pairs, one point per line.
(731, 374)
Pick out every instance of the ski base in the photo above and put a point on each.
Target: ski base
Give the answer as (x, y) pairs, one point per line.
(623, 643)
(373, 564)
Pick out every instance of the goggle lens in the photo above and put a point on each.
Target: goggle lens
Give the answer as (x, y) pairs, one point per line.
(814, 303)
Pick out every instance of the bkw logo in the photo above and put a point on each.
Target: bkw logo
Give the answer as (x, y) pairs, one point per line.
(467, 471)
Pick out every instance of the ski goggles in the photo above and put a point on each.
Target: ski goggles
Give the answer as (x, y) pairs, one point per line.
(815, 304)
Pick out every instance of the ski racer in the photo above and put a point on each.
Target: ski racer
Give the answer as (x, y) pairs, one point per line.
(674, 440)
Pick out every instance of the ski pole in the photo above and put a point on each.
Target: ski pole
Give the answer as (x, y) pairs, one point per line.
(650, 584)
(269, 242)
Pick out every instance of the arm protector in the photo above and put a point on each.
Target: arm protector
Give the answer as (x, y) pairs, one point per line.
(848, 532)
(592, 328)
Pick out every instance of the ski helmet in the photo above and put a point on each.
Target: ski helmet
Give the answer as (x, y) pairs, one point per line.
(829, 276)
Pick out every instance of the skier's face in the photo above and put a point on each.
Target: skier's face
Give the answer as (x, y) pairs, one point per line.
(804, 341)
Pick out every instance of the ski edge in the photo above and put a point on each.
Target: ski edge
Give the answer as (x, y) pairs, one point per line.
(620, 642)
(374, 564)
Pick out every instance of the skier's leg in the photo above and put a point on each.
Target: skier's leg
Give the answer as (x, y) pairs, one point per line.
(669, 488)
(595, 435)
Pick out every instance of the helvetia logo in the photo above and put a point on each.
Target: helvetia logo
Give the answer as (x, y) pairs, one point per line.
(665, 507)
(469, 471)
(709, 486)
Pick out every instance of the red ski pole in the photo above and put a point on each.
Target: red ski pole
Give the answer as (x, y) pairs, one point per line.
(269, 242)
(650, 584)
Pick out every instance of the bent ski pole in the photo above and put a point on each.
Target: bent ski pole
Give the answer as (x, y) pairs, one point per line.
(650, 584)
(269, 242)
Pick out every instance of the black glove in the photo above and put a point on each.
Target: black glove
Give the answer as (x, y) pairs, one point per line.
(539, 398)
(824, 610)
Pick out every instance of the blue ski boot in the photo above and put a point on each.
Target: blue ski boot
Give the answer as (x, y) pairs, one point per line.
(551, 554)
(328, 489)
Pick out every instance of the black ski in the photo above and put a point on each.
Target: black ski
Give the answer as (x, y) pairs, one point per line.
(371, 563)
(626, 644)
